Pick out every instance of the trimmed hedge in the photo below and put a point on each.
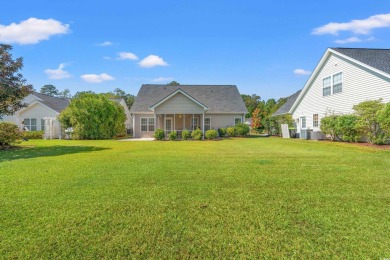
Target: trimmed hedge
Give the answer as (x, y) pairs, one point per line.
(186, 134)
(211, 134)
(197, 134)
(172, 135)
(33, 134)
(159, 134)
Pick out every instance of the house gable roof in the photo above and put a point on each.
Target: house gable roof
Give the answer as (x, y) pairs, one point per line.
(217, 98)
(287, 106)
(174, 94)
(57, 104)
(376, 60)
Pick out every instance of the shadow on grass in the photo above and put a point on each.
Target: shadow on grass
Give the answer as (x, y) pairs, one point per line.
(34, 152)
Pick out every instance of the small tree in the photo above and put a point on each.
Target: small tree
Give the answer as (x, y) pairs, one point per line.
(256, 118)
(94, 116)
(369, 122)
(13, 87)
(9, 133)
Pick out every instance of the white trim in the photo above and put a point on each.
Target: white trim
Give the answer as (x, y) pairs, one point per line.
(235, 120)
(165, 123)
(147, 124)
(33, 104)
(205, 120)
(173, 94)
(328, 52)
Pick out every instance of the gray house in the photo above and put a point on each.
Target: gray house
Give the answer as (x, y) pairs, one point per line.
(186, 107)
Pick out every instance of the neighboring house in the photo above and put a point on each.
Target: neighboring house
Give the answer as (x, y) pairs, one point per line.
(122, 102)
(42, 111)
(40, 107)
(343, 78)
(285, 108)
(186, 107)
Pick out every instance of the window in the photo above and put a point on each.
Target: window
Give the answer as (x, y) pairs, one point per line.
(207, 123)
(337, 83)
(303, 122)
(326, 88)
(42, 125)
(237, 120)
(315, 120)
(334, 82)
(147, 124)
(31, 124)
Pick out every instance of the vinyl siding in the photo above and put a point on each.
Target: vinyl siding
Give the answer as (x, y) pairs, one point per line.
(179, 104)
(137, 127)
(359, 84)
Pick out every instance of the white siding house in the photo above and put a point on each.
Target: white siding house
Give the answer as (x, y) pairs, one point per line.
(343, 78)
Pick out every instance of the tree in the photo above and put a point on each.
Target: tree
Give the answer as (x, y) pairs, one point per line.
(119, 93)
(251, 102)
(257, 116)
(49, 90)
(369, 122)
(94, 116)
(173, 83)
(13, 87)
(384, 119)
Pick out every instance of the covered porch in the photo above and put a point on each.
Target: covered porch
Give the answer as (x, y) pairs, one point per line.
(179, 122)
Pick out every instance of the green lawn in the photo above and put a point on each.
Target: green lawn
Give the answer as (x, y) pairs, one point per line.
(242, 198)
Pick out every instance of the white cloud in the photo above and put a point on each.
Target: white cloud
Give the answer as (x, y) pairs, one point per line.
(58, 73)
(355, 26)
(127, 56)
(354, 39)
(301, 72)
(152, 61)
(31, 31)
(162, 79)
(105, 44)
(95, 78)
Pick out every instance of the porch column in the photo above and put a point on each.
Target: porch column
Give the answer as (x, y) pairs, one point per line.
(184, 122)
(165, 124)
(155, 122)
(203, 124)
(174, 121)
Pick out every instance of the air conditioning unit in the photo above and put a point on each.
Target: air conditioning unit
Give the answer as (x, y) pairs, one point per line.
(304, 134)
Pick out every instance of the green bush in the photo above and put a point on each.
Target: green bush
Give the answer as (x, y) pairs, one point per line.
(172, 135)
(384, 120)
(9, 133)
(33, 134)
(346, 128)
(368, 122)
(242, 129)
(329, 126)
(197, 134)
(211, 134)
(186, 134)
(159, 134)
(222, 132)
(231, 131)
(94, 116)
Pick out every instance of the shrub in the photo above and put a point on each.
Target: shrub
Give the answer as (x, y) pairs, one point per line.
(384, 119)
(346, 128)
(159, 134)
(94, 116)
(9, 133)
(242, 129)
(222, 132)
(186, 134)
(172, 135)
(329, 126)
(231, 131)
(211, 134)
(32, 134)
(369, 120)
(197, 134)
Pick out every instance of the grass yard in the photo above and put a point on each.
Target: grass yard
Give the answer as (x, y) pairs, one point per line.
(241, 198)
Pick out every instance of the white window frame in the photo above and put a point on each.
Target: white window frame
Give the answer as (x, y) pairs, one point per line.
(332, 85)
(209, 124)
(327, 86)
(316, 122)
(29, 125)
(235, 120)
(194, 125)
(165, 124)
(42, 124)
(148, 124)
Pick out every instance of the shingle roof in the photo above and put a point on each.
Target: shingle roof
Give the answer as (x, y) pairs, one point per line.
(218, 98)
(376, 58)
(57, 104)
(287, 106)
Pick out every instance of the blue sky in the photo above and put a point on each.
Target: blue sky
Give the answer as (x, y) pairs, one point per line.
(264, 47)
